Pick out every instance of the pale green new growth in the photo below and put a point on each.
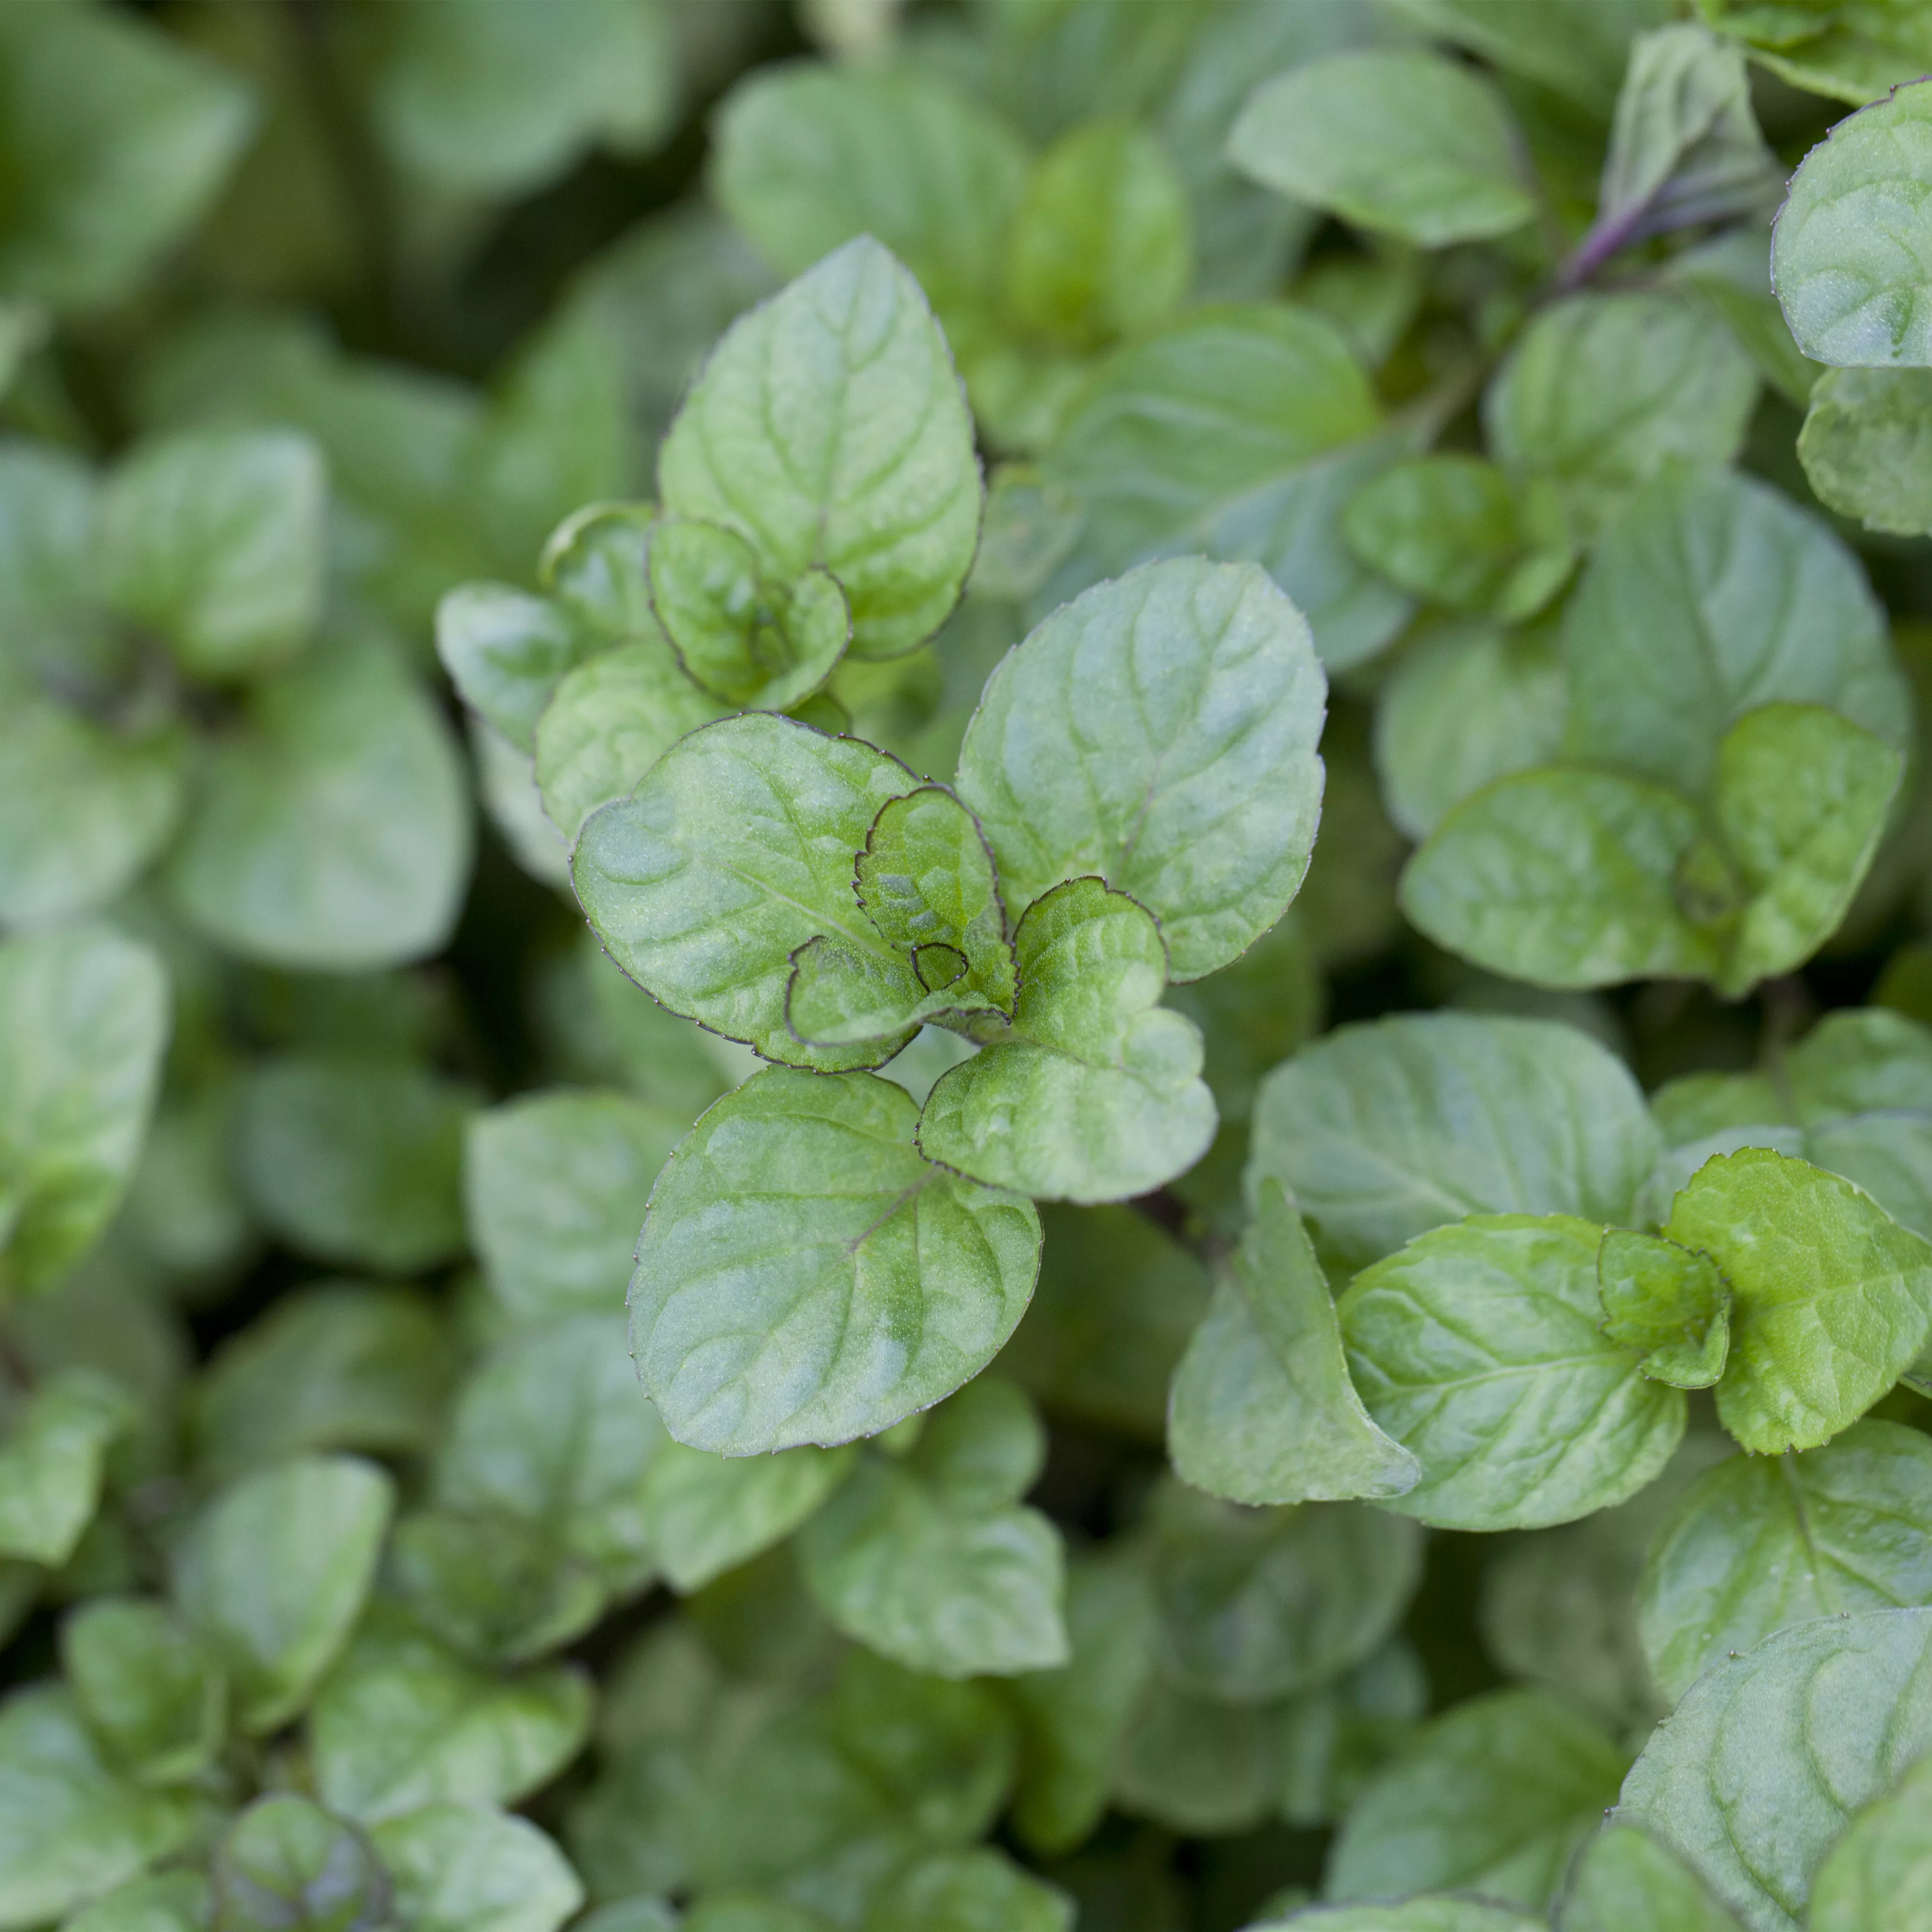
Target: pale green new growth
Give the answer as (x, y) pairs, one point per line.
(1671, 1305)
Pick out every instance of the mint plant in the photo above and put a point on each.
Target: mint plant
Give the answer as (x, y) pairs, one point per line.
(1146, 1145)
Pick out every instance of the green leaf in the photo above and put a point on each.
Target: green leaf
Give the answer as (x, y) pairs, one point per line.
(978, 1891)
(1754, 1546)
(867, 470)
(340, 1367)
(554, 1185)
(1601, 393)
(1097, 1095)
(1241, 433)
(1449, 528)
(1334, 1741)
(1493, 1798)
(1400, 142)
(1670, 1303)
(1100, 246)
(736, 849)
(1567, 878)
(1848, 253)
(148, 1691)
(483, 98)
(1381, 1131)
(1833, 1299)
(1195, 1765)
(286, 1862)
(1867, 448)
(1872, 1879)
(175, 1902)
(216, 538)
(274, 1573)
(333, 830)
(809, 156)
(506, 652)
(748, 643)
(704, 1514)
(52, 1461)
(463, 1868)
(70, 1828)
(1578, 49)
(1476, 1349)
(356, 1159)
(933, 1564)
(1801, 851)
(805, 1276)
(1420, 1914)
(403, 1722)
(84, 806)
(1262, 1410)
(1757, 1772)
(1160, 732)
(1625, 1878)
(551, 1429)
(83, 1020)
(1470, 704)
(495, 1587)
(119, 135)
(1253, 1606)
(1847, 52)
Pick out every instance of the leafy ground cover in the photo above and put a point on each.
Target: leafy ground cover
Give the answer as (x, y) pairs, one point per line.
(964, 968)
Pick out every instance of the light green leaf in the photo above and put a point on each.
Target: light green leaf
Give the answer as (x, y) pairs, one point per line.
(1493, 1798)
(1801, 850)
(285, 1862)
(1160, 732)
(148, 1691)
(809, 156)
(495, 1587)
(1470, 704)
(1420, 1914)
(1477, 1348)
(865, 467)
(932, 1564)
(1565, 877)
(402, 1722)
(83, 1020)
(736, 849)
(338, 1366)
(274, 1572)
(1862, 1061)
(1849, 253)
(1626, 1879)
(1097, 1094)
(1253, 1606)
(1449, 528)
(1833, 1298)
(70, 1829)
(1100, 246)
(1873, 1879)
(1578, 49)
(52, 1461)
(175, 1902)
(706, 1514)
(1754, 1546)
(749, 643)
(463, 1868)
(1601, 393)
(1400, 142)
(485, 98)
(333, 831)
(555, 1185)
(1867, 448)
(1262, 1410)
(119, 136)
(978, 1891)
(506, 652)
(356, 1159)
(1670, 1303)
(1381, 1131)
(552, 1429)
(1713, 595)
(1757, 1773)
(805, 1276)
(84, 806)
(1241, 433)
(216, 538)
